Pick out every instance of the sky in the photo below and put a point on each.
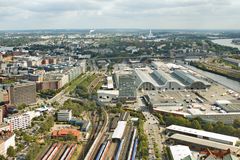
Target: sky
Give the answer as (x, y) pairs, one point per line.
(142, 14)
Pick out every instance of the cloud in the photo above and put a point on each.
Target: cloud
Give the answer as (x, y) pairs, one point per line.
(198, 14)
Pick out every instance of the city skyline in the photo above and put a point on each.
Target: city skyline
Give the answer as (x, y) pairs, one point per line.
(82, 14)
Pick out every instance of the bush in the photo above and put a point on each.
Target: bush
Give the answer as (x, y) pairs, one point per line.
(11, 151)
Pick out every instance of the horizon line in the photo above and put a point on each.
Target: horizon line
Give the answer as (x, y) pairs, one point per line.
(112, 28)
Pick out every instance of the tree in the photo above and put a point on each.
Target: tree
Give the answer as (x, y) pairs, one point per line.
(119, 105)
(196, 124)
(236, 123)
(2, 157)
(21, 106)
(34, 150)
(47, 125)
(70, 137)
(208, 127)
(11, 151)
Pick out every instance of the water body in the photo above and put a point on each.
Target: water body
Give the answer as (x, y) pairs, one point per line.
(232, 84)
(226, 42)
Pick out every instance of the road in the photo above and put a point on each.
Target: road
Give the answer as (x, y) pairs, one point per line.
(154, 133)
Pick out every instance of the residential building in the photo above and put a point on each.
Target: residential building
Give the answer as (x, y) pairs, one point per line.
(7, 139)
(4, 97)
(19, 121)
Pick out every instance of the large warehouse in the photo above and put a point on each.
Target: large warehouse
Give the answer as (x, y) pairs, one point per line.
(189, 80)
(166, 81)
(144, 81)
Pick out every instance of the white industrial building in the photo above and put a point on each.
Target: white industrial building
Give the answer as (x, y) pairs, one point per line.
(230, 140)
(107, 95)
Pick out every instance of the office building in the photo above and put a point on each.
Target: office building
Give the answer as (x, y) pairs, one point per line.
(127, 89)
(64, 115)
(22, 93)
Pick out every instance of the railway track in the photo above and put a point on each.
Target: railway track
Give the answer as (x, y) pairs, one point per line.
(95, 145)
(60, 151)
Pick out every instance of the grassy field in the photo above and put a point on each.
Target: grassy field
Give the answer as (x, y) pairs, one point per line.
(74, 83)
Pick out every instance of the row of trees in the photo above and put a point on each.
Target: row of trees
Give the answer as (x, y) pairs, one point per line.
(198, 123)
(142, 150)
(143, 143)
(49, 93)
(218, 70)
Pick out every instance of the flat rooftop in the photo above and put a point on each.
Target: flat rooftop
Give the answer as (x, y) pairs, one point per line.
(180, 151)
(203, 133)
(118, 132)
(204, 142)
(233, 107)
(112, 92)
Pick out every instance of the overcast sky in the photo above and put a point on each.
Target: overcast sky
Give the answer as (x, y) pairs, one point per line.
(84, 14)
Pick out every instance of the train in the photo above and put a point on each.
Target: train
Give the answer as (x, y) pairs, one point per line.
(117, 155)
(134, 149)
(132, 144)
(100, 152)
(54, 150)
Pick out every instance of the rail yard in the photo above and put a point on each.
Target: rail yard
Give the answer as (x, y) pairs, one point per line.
(119, 141)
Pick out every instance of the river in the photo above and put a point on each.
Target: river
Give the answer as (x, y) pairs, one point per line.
(232, 84)
(226, 42)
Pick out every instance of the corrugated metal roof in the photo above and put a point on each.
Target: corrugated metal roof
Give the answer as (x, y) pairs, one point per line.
(164, 77)
(145, 77)
(187, 78)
